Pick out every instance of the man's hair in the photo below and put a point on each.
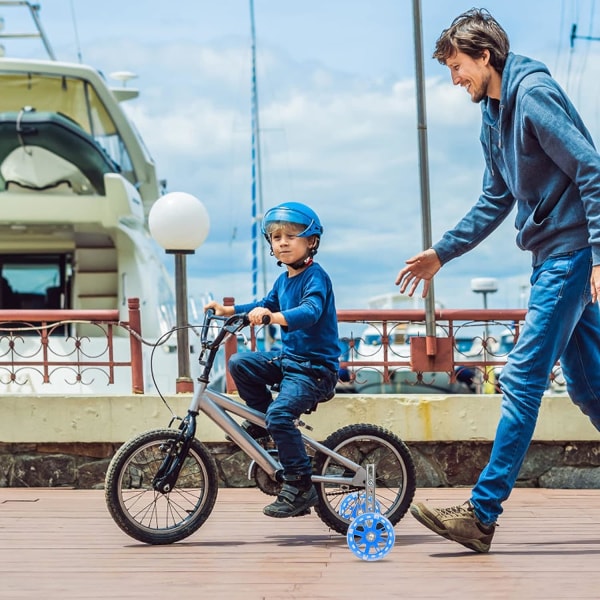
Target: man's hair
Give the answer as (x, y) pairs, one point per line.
(471, 33)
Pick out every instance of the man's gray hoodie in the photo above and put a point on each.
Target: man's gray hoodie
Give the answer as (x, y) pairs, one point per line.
(539, 154)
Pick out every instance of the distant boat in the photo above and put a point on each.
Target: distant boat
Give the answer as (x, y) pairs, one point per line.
(76, 186)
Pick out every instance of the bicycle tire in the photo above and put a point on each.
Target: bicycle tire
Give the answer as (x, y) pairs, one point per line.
(394, 472)
(146, 514)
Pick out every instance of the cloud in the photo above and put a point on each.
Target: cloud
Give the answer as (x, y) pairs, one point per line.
(338, 131)
(349, 151)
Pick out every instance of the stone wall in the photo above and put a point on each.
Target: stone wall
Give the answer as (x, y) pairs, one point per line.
(557, 464)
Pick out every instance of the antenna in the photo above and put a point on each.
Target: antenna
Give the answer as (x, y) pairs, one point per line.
(76, 32)
(574, 36)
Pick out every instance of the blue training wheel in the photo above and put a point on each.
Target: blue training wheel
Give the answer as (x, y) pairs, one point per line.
(355, 504)
(371, 536)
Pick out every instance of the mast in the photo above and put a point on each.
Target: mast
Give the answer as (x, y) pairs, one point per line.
(257, 196)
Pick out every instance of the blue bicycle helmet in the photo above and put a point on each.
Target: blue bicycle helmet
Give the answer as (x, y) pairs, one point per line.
(293, 212)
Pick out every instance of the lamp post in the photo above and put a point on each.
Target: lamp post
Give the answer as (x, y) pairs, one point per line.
(179, 222)
(484, 286)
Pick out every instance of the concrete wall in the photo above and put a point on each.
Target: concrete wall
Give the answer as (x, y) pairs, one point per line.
(115, 419)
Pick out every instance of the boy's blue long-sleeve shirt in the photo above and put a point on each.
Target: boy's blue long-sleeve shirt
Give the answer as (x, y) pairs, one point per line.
(540, 155)
(307, 302)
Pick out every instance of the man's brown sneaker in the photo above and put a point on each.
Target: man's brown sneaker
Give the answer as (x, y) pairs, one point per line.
(456, 523)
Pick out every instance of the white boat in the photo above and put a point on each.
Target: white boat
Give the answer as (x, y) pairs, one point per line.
(76, 186)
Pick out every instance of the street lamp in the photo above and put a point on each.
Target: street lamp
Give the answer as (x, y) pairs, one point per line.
(484, 286)
(179, 222)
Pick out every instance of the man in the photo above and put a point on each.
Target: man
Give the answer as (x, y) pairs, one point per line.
(539, 155)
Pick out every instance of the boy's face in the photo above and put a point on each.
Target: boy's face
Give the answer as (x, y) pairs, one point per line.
(287, 246)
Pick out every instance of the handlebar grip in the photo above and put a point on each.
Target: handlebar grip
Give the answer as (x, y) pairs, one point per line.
(266, 319)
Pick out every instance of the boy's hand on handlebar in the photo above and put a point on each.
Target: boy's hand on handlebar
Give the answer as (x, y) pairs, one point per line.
(219, 309)
(260, 316)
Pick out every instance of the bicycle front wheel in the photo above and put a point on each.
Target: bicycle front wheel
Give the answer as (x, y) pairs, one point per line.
(151, 516)
(395, 478)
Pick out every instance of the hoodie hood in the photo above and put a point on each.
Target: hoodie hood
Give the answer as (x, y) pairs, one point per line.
(516, 69)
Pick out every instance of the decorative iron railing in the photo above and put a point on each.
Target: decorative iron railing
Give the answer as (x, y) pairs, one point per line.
(375, 350)
(70, 346)
(379, 357)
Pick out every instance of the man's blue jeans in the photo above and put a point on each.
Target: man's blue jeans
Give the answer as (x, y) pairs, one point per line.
(561, 322)
(301, 384)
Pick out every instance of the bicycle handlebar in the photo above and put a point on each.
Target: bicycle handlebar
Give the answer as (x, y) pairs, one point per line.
(230, 325)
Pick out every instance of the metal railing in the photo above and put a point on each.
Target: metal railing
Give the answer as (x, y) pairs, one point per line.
(375, 348)
(46, 344)
(375, 352)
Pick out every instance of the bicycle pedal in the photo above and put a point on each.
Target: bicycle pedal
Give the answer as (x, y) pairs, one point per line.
(300, 423)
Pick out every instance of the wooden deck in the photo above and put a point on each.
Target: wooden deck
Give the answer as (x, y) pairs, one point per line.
(61, 544)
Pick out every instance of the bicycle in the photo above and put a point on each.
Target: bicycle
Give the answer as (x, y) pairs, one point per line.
(161, 486)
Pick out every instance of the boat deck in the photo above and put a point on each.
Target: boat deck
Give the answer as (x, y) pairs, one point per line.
(62, 544)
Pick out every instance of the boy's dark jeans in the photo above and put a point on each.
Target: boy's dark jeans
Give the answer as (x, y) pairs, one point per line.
(301, 384)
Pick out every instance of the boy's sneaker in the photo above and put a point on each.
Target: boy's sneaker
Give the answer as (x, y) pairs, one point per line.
(254, 431)
(456, 523)
(292, 501)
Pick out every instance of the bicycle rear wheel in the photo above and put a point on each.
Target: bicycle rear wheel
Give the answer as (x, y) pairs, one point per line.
(395, 475)
(151, 516)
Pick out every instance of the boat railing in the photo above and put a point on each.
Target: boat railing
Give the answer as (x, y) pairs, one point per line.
(73, 346)
(384, 350)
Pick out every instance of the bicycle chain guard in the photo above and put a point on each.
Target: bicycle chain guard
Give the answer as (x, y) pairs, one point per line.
(263, 480)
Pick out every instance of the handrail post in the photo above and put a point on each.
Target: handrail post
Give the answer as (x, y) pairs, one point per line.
(230, 348)
(135, 344)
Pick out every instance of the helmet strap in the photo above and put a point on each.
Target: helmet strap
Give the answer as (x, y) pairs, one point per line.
(300, 264)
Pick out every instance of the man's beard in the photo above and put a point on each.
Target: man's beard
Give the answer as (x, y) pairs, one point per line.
(481, 91)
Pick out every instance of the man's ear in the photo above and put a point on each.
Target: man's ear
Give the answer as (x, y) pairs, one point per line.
(485, 55)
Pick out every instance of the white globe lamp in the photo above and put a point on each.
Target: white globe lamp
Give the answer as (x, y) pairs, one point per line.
(179, 222)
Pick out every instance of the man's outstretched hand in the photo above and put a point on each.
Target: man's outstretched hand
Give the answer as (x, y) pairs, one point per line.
(421, 267)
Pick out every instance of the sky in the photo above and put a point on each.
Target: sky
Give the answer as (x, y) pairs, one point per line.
(338, 124)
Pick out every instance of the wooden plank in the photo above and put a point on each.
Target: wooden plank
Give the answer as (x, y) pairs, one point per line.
(62, 544)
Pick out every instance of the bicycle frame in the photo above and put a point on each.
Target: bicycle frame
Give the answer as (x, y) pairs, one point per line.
(217, 407)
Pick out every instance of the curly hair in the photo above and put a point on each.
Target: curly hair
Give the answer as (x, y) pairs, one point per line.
(472, 33)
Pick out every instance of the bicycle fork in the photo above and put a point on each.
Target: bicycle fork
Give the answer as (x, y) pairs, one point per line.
(170, 468)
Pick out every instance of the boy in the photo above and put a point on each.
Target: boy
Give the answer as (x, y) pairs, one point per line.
(306, 367)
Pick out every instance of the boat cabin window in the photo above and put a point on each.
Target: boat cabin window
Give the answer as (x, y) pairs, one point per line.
(35, 281)
(70, 97)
